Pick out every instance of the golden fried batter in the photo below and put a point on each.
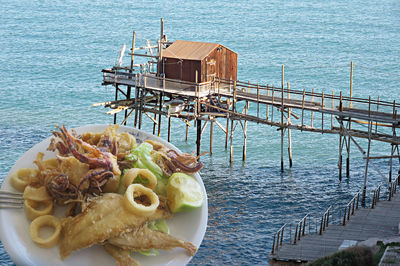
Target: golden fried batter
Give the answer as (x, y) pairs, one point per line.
(104, 218)
(143, 238)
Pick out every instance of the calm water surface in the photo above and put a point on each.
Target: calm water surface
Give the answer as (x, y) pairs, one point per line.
(52, 53)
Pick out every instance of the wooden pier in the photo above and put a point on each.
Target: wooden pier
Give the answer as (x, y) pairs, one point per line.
(380, 221)
(195, 83)
(191, 84)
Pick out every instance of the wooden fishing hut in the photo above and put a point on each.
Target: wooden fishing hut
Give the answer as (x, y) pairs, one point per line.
(183, 59)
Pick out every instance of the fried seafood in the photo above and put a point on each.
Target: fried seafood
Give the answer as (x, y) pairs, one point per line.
(121, 256)
(173, 162)
(143, 238)
(105, 217)
(104, 172)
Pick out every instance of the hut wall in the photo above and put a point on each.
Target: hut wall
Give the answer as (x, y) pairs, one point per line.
(182, 69)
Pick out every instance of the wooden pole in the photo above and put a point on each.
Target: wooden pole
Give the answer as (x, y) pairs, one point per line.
(282, 108)
(128, 92)
(351, 84)
(366, 164)
(116, 98)
(312, 113)
(169, 128)
(322, 114)
(258, 100)
(186, 133)
(197, 112)
(267, 106)
(232, 129)
(340, 152)
(227, 129)
(155, 115)
(368, 151)
(136, 99)
(160, 68)
(160, 104)
(348, 151)
(198, 138)
(142, 93)
(289, 130)
(211, 134)
(302, 110)
(333, 107)
(246, 107)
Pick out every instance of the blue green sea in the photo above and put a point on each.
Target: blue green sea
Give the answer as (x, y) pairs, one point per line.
(52, 54)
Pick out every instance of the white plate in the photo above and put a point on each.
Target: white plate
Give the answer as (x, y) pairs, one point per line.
(14, 226)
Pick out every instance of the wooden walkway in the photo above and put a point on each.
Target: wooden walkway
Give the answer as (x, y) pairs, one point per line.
(380, 222)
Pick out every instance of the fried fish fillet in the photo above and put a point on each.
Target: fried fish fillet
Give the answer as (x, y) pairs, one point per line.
(105, 217)
(142, 238)
(121, 256)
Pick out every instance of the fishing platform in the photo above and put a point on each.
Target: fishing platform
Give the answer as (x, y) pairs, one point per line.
(196, 83)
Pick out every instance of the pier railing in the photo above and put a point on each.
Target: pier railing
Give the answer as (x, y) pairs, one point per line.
(325, 220)
(278, 239)
(376, 197)
(393, 187)
(300, 229)
(350, 207)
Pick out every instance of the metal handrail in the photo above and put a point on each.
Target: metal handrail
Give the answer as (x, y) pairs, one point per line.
(300, 229)
(393, 188)
(278, 238)
(325, 220)
(376, 196)
(349, 209)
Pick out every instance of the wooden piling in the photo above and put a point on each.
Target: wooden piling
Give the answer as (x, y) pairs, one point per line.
(322, 114)
(198, 137)
(267, 106)
(186, 133)
(351, 84)
(368, 151)
(312, 113)
(211, 134)
(116, 98)
(282, 108)
(169, 128)
(289, 130)
(246, 107)
(137, 89)
(232, 129)
(302, 110)
(141, 101)
(348, 151)
(160, 104)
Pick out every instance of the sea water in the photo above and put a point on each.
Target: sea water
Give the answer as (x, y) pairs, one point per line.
(52, 53)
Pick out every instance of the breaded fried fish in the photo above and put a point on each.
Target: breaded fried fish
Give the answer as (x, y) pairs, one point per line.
(105, 217)
(143, 238)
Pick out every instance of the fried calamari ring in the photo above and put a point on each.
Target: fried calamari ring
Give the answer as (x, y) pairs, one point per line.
(149, 200)
(22, 178)
(45, 220)
(131, 174)
(36, 193)
(32, 208)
